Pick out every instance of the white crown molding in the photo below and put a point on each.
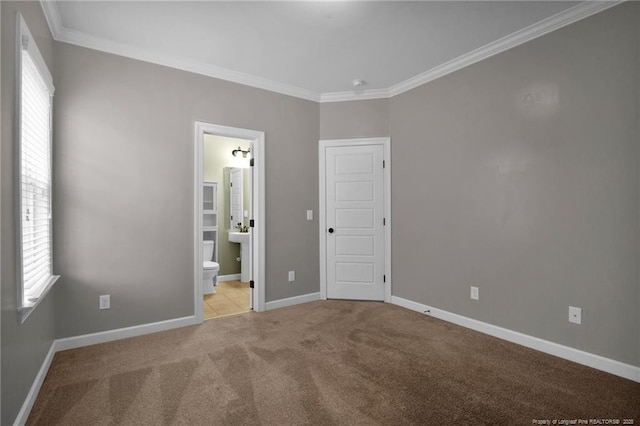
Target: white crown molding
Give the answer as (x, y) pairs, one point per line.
(62, 34)
(559, 20)
(569, 16)
(52, 16)
(354, 96)
(116, 48)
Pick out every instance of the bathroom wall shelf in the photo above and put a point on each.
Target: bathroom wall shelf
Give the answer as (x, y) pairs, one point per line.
(210, 215)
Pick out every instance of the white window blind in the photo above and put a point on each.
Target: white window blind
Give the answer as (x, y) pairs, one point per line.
(35, 172)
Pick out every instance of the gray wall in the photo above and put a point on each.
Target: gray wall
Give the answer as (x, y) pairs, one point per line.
(354, 119)
(124, 167)
(535, 199)
(24, 346)
(528, 169)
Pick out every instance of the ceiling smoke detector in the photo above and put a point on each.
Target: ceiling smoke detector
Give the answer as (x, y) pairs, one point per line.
(357, 83)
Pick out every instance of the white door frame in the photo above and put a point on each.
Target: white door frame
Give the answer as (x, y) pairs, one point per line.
(257, 203)
(323, 145)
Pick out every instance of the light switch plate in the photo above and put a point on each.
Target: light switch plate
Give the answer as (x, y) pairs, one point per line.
(309, 214)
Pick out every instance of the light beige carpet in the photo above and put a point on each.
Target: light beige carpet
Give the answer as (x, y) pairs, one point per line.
(324, 363)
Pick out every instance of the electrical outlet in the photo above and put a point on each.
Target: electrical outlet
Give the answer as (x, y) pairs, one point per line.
(475, 293)
(292, 275)
(575, 315)
(105, 301)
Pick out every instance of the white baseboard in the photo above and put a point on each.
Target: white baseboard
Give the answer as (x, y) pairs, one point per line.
(598, 362)
(581, 357)
(229, 277)
(121, 333)
(290, 301)
(23, 415)
(92, 339)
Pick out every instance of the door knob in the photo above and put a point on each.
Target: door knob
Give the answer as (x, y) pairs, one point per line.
(331, 230)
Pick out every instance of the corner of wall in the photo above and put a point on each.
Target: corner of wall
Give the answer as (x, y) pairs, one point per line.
(24, 346)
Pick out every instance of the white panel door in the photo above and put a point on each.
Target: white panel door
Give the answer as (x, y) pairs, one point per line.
(354, 218)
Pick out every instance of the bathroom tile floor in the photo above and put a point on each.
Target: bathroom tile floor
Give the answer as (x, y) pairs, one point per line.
(231, 297)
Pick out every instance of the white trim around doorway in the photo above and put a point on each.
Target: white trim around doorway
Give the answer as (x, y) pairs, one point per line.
(323, 145)
(257, 139)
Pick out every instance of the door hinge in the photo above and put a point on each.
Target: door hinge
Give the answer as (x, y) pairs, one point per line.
(231, 184)
(251, 162)
(384, 221)
(251, 223)
(384, 164)
(384, 278)
(251, 284)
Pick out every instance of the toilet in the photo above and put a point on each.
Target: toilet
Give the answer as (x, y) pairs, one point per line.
(209, 268)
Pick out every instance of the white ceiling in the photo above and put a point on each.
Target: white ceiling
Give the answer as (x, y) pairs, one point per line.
(311, 49)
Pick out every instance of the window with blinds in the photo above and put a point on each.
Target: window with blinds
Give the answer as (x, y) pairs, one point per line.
(36, 90)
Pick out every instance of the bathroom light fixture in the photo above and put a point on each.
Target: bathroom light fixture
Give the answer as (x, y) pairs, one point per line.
(235, 152)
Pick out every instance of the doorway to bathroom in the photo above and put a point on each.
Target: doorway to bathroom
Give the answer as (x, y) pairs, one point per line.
(228, 220)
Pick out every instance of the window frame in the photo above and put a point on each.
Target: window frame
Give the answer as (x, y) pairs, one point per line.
(25, 44)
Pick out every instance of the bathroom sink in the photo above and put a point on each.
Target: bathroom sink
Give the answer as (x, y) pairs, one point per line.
(243, 238)
(239, 237)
